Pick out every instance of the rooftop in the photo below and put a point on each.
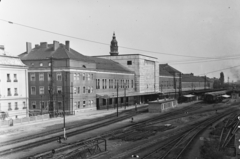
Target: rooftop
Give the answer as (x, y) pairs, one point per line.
(168, 68)
(126, 55)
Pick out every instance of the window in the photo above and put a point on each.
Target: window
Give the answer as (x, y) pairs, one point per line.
(98, 84)
(59, 76)
(84, 90)
(49, 64)
(32, 76)
(78, 104)
(83, 76)
(104, 101)
(33, 90)
(24, 105)
(59, 89)
(41, 76)
(103, 84)
(9, 107)
(89, 90)
(74, 76)
(74, 90)
(121, 99)
(8, 78)
(75, 104)
(59, 105)
(41, 89)
(41, 64)
(109, 83)
(110, 101)
(78, 90)
(33, 104)
(132, 83)
(15, 77)
(83, 66)
(15, 92)
(16, 105)
(91, 102)
(41, 104)
(32, 64)
(78, 76)
(9, 91)
(49, 77)
(129, 62)
(116, 100)
(84, 104)
(92, 76)
(89, 77)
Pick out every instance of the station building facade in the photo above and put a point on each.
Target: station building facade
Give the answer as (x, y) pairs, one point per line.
(13, 87)
(144, 67)
(71, 80)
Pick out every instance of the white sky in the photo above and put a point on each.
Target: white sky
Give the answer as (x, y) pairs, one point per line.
(205, 28)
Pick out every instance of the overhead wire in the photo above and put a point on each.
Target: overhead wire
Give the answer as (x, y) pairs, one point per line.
(156, 52)
(218, 70)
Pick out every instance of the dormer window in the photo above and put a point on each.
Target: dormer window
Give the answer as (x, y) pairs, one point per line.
(129, 62)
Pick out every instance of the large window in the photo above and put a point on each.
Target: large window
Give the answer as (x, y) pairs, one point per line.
(89, 90)
(41, 76)
(132, 83)
(41, 103)
(41, 89)
(103, 84)
(59, 105)
(78, 90)
(24, 105)
(83, 76)
(78, 104)
(84, 90)
(32, 77)
(74, 90)
(33, 90)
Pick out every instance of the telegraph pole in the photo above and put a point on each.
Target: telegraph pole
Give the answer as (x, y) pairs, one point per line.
(63, 96)
(117, 98)
(51, 109)
(125, 93)
(205, 80)
(180, 85)
(175, 85)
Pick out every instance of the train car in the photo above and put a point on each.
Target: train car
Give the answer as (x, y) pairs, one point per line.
(213, 97)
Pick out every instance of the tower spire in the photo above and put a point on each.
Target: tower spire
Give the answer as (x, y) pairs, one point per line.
(114, 46)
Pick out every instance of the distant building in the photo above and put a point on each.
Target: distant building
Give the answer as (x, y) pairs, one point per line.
(144, 67)
(13, 86)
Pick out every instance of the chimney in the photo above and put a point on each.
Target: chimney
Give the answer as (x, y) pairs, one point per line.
(29, 47)
(67, 45)
(55, 45)
(43, 44)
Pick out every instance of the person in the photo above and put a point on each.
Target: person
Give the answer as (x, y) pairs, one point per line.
(59, 139)
(132, 119)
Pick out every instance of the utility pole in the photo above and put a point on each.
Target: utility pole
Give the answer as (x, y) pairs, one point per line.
(117, 98)
(205, 80)
(51, 109)
(180, 85)
(63, 96)
(125, 93)
(174, 79)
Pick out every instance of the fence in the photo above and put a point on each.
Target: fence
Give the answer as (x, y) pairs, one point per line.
(25, 119)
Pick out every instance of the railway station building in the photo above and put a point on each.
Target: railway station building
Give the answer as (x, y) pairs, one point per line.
(66, 78)
(145, 69)
(13, 87)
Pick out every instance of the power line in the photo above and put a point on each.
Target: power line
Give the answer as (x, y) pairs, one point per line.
(201, 61)
(155, 52)
(218, 70)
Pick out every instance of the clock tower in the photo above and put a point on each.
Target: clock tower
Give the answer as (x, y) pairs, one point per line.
(114, 46)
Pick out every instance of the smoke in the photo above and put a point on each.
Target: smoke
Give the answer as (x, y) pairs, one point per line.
(235, 73)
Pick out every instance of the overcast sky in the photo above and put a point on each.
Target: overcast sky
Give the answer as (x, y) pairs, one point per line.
(199, 28)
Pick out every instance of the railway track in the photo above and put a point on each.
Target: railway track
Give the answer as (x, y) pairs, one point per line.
(176, 146)
(73, 133)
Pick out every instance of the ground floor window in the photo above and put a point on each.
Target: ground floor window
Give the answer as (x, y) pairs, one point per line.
(33, 104)
(84, 104)
(78, 104)
(110, 101)
(121, 99)
(104, 101)
(116, 100)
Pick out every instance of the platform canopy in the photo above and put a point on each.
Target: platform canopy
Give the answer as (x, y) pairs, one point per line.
(225, 96)
(189, 95)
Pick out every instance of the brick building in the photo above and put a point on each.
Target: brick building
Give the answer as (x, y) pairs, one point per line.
(76, 79)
